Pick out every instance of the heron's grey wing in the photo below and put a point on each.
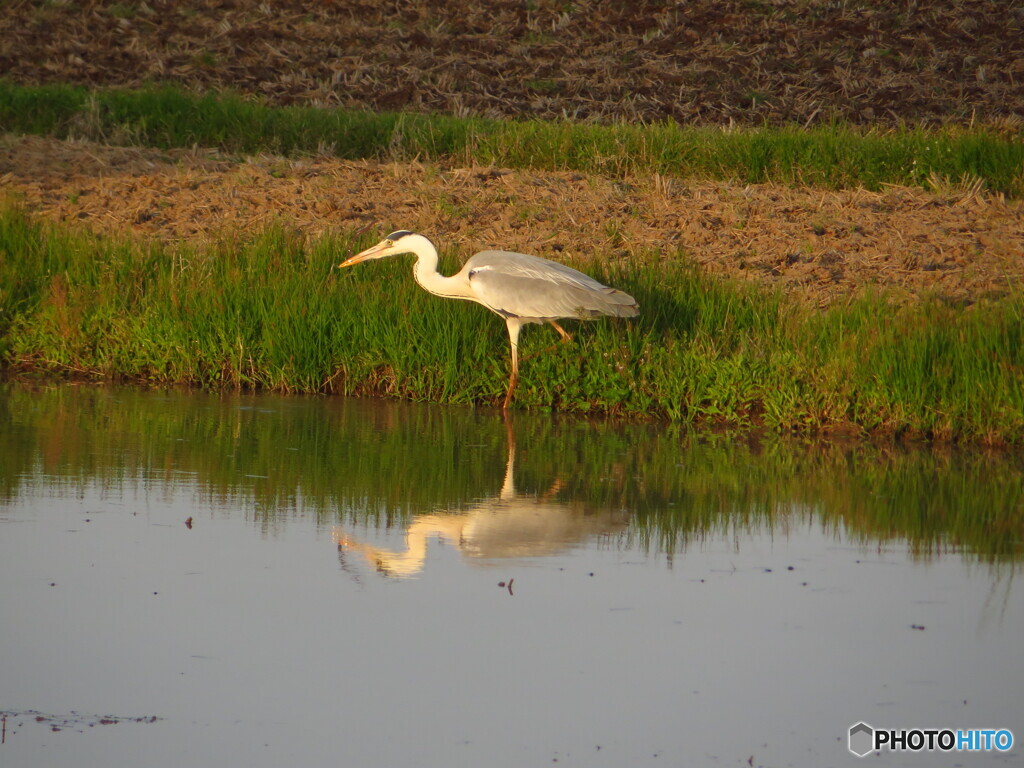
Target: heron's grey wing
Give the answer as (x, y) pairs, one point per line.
(530, 287)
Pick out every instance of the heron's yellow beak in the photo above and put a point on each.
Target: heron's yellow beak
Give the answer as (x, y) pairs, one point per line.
(369, 253)
(353, 260)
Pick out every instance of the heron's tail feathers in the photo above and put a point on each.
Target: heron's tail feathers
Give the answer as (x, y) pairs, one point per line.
(615, 303)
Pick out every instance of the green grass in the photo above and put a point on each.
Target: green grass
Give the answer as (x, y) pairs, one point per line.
(268, 312)
(832, 156)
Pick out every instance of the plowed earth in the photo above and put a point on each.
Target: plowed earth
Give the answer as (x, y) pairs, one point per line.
(708, 61)
(822, 246)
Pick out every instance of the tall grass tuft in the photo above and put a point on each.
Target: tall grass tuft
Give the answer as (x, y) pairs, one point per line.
(829, 155)
(268, 312)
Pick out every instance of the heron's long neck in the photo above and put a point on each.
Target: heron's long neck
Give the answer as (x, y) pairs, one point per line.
(426, 274)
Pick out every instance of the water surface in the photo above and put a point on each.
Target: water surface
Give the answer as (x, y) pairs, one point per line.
(231, 580)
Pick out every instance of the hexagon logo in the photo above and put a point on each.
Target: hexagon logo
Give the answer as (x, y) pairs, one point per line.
(862, 739)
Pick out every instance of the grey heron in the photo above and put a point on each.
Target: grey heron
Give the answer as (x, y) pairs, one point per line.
(520, 288)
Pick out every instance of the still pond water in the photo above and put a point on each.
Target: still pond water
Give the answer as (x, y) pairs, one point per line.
(202, 580)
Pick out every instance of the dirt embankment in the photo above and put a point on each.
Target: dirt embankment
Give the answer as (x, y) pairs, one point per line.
(824, 246)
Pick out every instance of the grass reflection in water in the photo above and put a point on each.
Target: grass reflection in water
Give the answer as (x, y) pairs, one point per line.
(451, 472)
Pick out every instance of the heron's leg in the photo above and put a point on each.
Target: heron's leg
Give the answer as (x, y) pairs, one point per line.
(566, 337)
(508, 488)
(514, 325)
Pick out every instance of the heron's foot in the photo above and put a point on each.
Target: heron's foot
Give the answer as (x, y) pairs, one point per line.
(554, 489)
(566, 336)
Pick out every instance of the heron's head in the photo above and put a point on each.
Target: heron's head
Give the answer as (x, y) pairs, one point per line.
(402, 241)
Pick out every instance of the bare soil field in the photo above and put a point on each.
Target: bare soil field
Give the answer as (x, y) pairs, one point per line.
(705, 61)
(820, 245)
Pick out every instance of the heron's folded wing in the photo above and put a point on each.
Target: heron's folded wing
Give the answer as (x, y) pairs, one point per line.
(529, 287)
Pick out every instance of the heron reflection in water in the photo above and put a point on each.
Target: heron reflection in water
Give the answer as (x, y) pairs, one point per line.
(509, 525)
